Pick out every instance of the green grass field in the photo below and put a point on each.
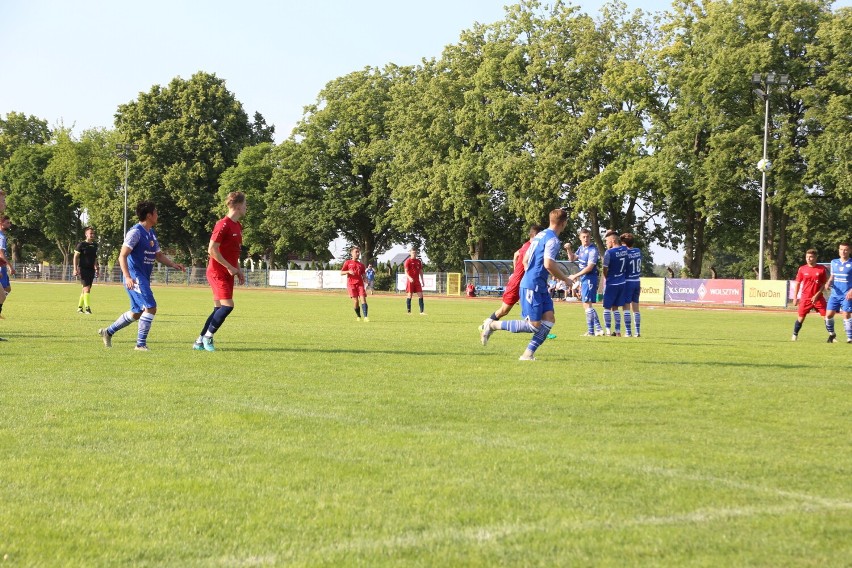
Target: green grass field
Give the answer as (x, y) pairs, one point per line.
(311, 439)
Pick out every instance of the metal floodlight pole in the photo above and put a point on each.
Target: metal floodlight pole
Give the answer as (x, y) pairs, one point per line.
(770, 79)
(763, 187)
(124, 152)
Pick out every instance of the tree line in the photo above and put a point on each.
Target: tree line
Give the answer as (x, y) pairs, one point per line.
(647, 123)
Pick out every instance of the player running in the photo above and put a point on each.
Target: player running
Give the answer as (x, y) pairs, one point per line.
(355, 273)
(587, 261)
(840, 284)
(6, 267)
(511, 295)
(632, 287)
(138, 253)
(615, 274)
(223, 266)
(536, 303)
(811, 280)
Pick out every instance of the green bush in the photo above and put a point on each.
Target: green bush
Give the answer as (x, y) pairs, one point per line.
(384, 282)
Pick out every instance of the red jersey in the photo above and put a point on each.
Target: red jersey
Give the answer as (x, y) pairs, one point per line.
(413, 268)
(812, 278)
(229, 235)
(518, 273)
(357, 268)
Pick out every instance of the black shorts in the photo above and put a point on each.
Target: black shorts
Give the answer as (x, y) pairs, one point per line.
(87, 275)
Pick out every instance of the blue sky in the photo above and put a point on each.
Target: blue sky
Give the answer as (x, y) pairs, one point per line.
(75, 61)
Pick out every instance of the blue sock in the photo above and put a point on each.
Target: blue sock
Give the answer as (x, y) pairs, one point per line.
(517, 326)
(829, 325)
(144, 327)
(123, 321)
(364, 309)
(357, 311)
(796, 327)
(617, 315)
(627, 322)
(408, 304)
(493, 317)
(847, 323)
(597, 319)
(540, 335)
(207, 323)
(590, 321)
(420, 301)
(636, 320)
(607, 318)
(218, 319)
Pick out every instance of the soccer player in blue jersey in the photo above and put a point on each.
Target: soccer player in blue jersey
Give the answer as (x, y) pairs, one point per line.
(138, 253)
(631, 284)
(615, 274)
(840, 285)
(587, 261)
(536, 303)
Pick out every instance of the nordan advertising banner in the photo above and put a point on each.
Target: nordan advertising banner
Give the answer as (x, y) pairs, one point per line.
(765, 293)
(653, 289)
(719, 291)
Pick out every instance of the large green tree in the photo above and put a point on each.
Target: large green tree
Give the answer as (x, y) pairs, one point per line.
(332, 174)
(42, 209)
(189, 133)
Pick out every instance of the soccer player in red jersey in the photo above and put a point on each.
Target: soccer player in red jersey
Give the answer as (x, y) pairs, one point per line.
(511, 293)
(811, 279)
(414, 274)
(223, 266)
(355, 271)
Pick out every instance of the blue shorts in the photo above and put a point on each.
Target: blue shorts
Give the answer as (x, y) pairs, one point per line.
(631, 292)
(141, 296)
(535, 304)
(613, 296)
(4, 278)
(589, 289)
(839, 303)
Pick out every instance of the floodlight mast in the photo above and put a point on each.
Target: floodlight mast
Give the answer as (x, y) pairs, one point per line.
(770, 79)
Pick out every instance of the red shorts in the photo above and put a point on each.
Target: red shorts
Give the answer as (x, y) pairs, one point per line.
(413, 287)
(223, 286)
(805, 306)
(511, 295)
(356, 290)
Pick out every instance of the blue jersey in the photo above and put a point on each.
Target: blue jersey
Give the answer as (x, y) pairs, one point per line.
(543, 245)
(840, 271)
(634, 264)
(587, 255)
(615, 261)
(143, 254)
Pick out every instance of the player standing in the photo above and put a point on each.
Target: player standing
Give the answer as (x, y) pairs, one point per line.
(632, 280)
(840, 284)
(536, 303)
(139, 251)
(811, 280)
(355, 272)
(5, 267)
(615, 273)
(511, 295)
(86, 267)
(587, 261)
(414, 275)
(222, 267)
